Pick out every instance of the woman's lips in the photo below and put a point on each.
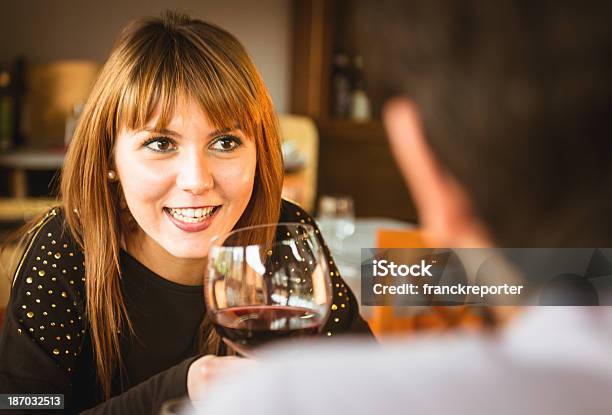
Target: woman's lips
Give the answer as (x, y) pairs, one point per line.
(192, 226)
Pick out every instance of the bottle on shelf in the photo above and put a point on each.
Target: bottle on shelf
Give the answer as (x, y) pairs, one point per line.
(12, 90)
(360, 103)
(341, 86)
(19, 91)
(6, 111)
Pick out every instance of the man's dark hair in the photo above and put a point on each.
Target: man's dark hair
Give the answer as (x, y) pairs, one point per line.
(515, 102)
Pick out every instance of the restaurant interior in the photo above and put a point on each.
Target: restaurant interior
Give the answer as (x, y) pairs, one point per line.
(338, 165)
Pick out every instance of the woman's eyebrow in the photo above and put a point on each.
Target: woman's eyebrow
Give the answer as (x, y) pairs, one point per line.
(224, 130)
(214, 133)
(164, 131)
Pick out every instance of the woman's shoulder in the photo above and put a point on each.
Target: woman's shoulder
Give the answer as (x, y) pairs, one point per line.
(49, 243)
(51, 250)
(292, 212)
(52, 224)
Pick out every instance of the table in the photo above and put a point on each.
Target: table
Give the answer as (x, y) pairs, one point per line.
(21, 160)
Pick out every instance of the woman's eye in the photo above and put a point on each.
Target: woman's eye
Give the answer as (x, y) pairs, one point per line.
(161, 145)
(226, 143)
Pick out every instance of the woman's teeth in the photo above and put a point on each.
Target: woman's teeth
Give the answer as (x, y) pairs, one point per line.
(192, 215)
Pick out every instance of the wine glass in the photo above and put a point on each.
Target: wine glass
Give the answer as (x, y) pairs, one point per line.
(265, 283)
(336, 220)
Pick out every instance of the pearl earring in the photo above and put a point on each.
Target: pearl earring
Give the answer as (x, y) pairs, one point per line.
(112, 176)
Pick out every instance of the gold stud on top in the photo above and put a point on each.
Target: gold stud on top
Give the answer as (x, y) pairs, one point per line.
(56, 352)
(64, 294)
(30, 314)
(57, 255)
(29, 280)
(41, 273)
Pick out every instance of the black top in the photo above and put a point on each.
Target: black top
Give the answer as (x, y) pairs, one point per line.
(46, 347)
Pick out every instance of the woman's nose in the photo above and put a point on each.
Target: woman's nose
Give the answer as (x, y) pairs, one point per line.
(194, 173)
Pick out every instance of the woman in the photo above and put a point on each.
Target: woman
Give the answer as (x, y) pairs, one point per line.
(177, 143)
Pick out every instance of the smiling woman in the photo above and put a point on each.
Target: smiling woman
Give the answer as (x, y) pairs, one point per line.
(177, 143)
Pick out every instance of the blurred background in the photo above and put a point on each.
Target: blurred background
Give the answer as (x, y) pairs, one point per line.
(337, 161)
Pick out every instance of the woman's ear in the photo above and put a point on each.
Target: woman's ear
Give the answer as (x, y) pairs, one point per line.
(443, 205)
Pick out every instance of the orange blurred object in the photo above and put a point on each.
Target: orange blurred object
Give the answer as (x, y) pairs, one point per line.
(388, 320)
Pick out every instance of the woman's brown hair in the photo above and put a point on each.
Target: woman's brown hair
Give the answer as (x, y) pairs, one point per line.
(154, 63)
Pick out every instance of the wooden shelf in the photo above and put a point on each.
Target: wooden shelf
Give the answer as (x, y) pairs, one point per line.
(354, 157)
(352, 130)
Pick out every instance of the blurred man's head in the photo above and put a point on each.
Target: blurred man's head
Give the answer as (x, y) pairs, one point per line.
(500, 120)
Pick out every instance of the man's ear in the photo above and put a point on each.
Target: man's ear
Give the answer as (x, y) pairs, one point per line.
(444, 208)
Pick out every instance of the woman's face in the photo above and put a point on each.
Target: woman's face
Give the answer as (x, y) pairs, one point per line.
(187, 183)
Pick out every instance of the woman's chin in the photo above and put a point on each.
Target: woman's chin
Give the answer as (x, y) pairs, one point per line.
(188, 251)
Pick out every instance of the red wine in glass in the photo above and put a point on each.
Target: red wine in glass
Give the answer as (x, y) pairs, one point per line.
(250, 327)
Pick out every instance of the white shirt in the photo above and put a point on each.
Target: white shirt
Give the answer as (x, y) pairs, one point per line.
(552, 360)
